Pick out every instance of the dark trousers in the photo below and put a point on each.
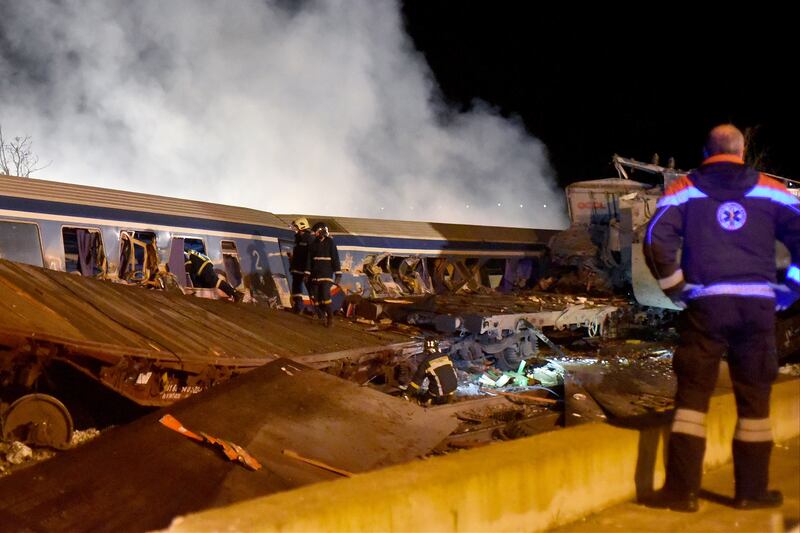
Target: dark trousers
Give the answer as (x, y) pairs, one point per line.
(321, 293)
(297, 292)
(209, 278)
(744, 327)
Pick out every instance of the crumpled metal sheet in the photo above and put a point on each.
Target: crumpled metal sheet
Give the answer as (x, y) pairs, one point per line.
(139, 476)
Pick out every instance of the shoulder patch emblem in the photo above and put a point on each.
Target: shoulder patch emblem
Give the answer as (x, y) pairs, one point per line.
(731, 216)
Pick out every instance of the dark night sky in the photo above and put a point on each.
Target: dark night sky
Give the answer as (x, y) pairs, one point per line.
(593, 84)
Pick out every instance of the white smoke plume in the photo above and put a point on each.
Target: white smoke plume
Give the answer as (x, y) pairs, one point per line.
(309, 107)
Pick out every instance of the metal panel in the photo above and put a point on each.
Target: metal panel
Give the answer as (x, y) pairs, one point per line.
(367, 227)
(138, 477)
(130, 201)
(149, 345)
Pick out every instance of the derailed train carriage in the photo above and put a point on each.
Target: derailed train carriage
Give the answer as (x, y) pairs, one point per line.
(140, 239)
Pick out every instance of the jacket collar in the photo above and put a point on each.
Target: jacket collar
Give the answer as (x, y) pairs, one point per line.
(724, 158)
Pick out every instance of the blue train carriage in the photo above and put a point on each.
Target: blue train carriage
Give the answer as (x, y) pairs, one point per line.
(138, 238)
(393, 258)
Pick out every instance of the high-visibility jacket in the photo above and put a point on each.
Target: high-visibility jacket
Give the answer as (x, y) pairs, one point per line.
(442, 378)
(724, 217)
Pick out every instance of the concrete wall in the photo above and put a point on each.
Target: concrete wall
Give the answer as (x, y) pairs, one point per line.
(529, 484)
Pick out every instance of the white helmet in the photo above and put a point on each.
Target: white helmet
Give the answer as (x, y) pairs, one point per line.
(301, 223)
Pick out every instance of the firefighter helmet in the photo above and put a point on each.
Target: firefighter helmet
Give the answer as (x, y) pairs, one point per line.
(432, 346)
(320, 227)
(301, 223)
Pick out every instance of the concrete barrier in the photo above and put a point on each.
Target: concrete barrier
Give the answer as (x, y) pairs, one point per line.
(529, 484)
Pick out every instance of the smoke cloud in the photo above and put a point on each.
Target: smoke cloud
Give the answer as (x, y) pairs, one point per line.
(309, 107)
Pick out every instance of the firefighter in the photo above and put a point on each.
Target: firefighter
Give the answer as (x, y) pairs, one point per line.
(437, 368)
(302, 239)
(724, 217)
(202, 273)
(324, 269)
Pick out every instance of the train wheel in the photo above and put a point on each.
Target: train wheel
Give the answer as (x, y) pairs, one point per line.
(38, 419)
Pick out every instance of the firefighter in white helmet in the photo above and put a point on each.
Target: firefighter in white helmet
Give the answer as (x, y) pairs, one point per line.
(297, 265)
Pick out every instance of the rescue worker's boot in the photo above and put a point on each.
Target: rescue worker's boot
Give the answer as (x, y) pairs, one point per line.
(328, 318)
(684, 472)
(751, 475)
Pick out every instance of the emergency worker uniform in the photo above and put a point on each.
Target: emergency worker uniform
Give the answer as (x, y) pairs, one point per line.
(201, 271)
(297, 266)
(322, 266)
(442, 380)
(725, 218)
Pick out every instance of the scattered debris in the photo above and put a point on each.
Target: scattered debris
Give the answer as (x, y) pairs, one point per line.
(790, 370)
(527, 398)
(320, 464)
(232, 451)
(19, 453)
(549, 375)
(82, 436)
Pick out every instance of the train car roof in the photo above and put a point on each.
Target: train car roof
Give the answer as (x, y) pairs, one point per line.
(53, 191)
(609, 184)
(34, 188)
(371, 227)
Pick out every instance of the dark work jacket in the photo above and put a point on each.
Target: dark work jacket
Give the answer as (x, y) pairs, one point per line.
(302, 239)
(438, 368)
(322, 263)
(724, 217)
(200, 269)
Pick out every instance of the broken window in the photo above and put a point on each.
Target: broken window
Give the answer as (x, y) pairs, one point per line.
(84, 251)
(492, 272)
(194, 244)
(20, 242)
(138, 256)
(413, 272)
(176, 262)
(230, 258)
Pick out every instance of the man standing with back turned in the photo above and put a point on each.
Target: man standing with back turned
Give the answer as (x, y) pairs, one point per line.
(725, 218)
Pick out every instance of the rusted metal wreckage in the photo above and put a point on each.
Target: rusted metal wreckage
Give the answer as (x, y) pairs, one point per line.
(139, 476)
(494, 294)
(151, 347)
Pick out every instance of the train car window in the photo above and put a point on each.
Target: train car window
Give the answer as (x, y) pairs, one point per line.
(138, 255)
(83, 251)
(230, 258)
(492, 272)
(20, 242)
(142, 252)
(194, 244)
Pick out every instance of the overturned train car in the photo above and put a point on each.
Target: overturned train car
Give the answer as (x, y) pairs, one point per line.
(140, 238)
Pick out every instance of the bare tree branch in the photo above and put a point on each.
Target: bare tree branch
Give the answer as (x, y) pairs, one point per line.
(17, 157)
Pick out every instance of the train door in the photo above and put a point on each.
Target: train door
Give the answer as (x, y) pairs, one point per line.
(230, 260)
(176, 258)
(282, 280)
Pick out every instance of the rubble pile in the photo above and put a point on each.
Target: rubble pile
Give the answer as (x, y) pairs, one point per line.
(15, 454)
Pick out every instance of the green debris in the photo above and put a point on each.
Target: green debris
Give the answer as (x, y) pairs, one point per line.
(549, 375)
(494, 379)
